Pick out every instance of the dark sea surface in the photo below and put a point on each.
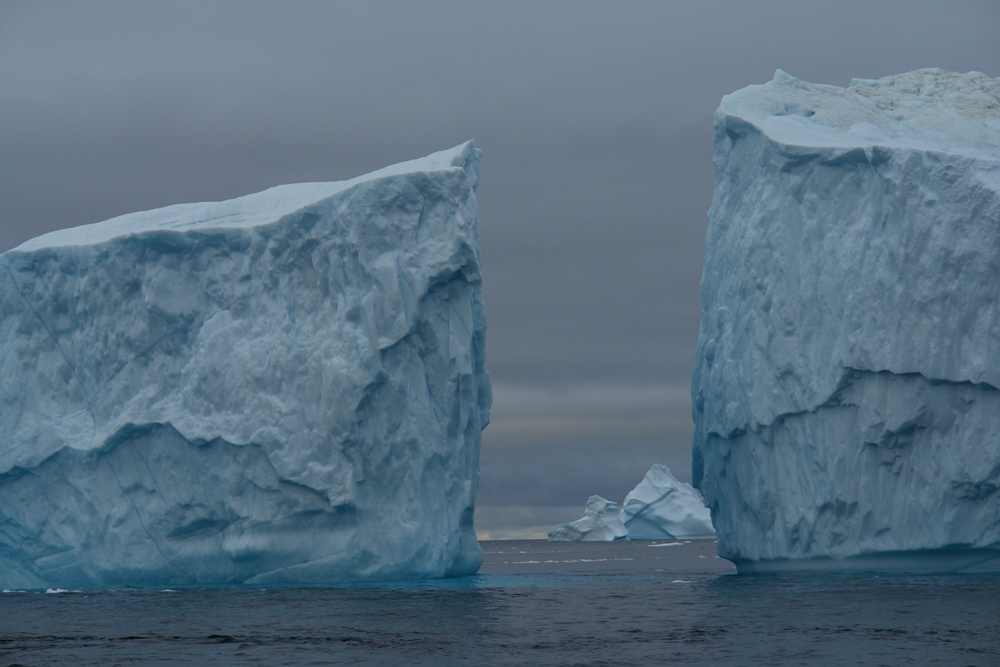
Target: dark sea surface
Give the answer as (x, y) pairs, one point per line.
(534, 603)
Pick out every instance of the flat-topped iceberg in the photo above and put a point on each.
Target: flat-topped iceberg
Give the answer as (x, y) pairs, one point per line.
(600, 523)
(284, 387)
(845, 393)
(663, 508)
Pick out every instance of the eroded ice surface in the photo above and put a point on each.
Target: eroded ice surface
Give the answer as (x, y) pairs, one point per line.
(846, 385)
(663, 508)
(284, 387)
(600, 523)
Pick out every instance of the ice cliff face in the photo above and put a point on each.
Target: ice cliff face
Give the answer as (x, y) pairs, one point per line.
(663, 508)
(845, 393)
(600, 523)
(284, 387)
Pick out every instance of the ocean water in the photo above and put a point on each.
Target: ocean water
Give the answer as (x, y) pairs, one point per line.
(534, 603)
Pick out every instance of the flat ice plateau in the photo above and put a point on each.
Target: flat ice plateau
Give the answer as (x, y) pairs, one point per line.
(845, 393)
(288, 387)
(663, 508)
(600, 523)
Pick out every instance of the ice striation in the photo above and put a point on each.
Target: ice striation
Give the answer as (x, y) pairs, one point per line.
(600, 523)
(288, 387)
(845, 394)
(663, 508)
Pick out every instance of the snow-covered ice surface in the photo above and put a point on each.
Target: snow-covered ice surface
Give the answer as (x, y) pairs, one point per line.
(663, 508)
(600, 523)
(284, 387)
(845, 392)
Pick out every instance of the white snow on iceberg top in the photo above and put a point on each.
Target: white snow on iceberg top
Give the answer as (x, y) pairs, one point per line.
(928, 109)
(663, 508)
(247, 211)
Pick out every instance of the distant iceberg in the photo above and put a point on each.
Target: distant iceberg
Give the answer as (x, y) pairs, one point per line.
(846, 391)
(662, 508)
(600, 523)
(288, 387)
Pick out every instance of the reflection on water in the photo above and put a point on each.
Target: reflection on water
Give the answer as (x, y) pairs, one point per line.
(532, 606)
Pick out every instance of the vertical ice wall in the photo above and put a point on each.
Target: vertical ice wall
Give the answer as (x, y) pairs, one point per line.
(845, 393)
(284, 387)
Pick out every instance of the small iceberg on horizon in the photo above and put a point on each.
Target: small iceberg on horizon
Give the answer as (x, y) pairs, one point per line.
(663, 508)
(660, 508)
(600, 523)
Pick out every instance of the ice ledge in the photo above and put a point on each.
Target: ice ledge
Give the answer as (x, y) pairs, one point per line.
(891, 464)
(834, 399)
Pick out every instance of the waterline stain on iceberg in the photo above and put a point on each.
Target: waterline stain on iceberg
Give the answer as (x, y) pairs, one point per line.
(845, 393)
(288, 387)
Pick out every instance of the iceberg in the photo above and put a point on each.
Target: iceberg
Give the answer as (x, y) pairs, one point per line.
(663, 508)
(846, 392)
(600, 523)
(287, 387)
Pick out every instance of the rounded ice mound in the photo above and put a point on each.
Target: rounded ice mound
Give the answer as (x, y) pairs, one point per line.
(846, 391)
(663, 508)
(288, 387)
(600, 523)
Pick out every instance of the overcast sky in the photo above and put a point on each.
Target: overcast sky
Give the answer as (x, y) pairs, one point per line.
(596, 124)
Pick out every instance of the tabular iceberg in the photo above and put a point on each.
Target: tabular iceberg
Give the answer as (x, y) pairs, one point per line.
(284, 387)
(845, 395)
(600, 523)
(663, 508)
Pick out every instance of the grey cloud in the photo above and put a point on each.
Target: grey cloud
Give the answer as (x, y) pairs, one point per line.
(514, 522)
(557, 446)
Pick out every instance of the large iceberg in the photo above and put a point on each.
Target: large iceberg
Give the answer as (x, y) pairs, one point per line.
(845, 395)
(663, 508)
(600, 523)
(284, 387)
